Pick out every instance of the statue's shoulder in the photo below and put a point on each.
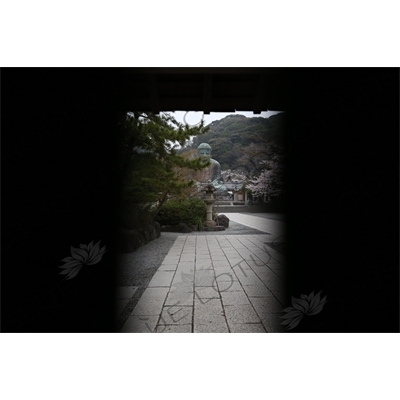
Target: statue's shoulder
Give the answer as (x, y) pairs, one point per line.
(215, 162)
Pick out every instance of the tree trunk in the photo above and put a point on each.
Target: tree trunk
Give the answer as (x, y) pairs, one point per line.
(162, 201)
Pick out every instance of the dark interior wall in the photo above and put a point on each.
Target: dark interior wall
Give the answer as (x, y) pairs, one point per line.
(59, 190)
(343, 208)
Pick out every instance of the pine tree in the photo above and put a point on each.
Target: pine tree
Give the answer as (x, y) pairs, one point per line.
(150, 167)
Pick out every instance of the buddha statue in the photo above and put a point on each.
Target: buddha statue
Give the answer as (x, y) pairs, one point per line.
(211, 173)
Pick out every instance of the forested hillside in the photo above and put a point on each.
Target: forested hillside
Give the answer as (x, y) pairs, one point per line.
(235, 139)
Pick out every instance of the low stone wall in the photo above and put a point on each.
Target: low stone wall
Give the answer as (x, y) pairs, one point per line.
(264, 208)
(130, 240)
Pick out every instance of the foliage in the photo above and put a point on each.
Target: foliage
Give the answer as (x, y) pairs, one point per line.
(150, 169)
(199, 223)
(191, 211)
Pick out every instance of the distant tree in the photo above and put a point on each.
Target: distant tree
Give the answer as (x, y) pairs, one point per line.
(233, 176)
(240, 143)
(256, 154)
(270, 181)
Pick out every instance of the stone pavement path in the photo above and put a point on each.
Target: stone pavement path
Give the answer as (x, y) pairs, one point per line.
(215, 283)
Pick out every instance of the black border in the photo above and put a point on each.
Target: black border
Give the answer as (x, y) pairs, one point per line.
(59, 189)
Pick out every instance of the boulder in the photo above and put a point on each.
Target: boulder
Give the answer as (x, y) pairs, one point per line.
(130, 240)
(152, 231)
(222, 220)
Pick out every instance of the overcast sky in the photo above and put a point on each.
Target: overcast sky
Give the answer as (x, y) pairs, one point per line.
(194, 117)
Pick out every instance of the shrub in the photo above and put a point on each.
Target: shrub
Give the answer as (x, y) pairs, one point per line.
(190, 211)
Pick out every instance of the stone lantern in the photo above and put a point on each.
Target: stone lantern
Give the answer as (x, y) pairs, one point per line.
(210, 200)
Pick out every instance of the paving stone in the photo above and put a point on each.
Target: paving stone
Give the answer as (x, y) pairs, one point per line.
(216, 252)
(182, 287)
(203, 265)
(267, 276)
(217, 257)
(248, 277)
(242, 267)
(247, 328)
(228, 286)
(188, 253)
(186, 264)
(266, 305)
(241, 314)
(265, 273)
(174, 254)
(204, 301)
(151, 301)
(206, 293)
(177, 297)
(222, 270)
(204, 277)
(185, 269)
(275, 265)
(174, 329)
(178, 314)
(246, 255)
(203, 253)
(250, 280)
(234, 260)
(183, 277)
(226, 277)
(162, 279)
(263, 258)
(272, 323)
(234, 298)
(171, 260)
(215, 326)
(275, 284)
(221, 263)
(257, 291)
(282, 297)
(167, 267)
(256, 264)
(205, 311)
(188, 259)
(140, 324)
